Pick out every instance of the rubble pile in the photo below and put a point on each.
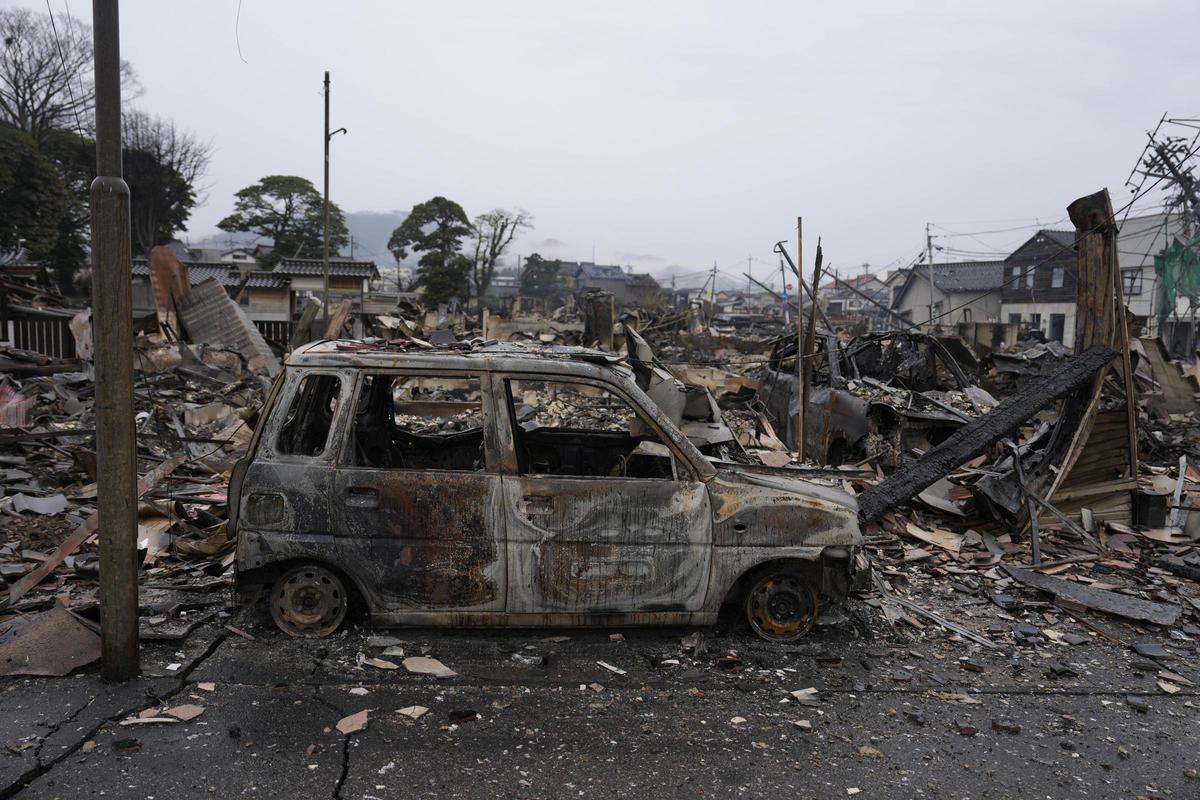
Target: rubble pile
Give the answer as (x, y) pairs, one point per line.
(195, 410)
(955, 561)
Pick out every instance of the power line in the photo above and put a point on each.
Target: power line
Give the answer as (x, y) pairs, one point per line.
(1061, 249)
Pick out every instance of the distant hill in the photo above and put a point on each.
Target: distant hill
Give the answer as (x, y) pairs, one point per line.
(370, 230)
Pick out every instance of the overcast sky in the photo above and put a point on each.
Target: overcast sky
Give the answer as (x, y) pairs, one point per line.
(664, 133)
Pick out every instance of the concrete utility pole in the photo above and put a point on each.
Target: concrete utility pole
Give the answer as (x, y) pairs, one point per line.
(929, 261)
(112, 315)
(325, 253)
(325, 256)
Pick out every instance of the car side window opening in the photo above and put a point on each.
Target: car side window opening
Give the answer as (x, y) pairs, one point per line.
(310, 416)
(419, 422)
(579, 430)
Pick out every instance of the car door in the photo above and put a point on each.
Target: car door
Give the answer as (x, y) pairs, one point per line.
(287, 510)
(602, 515)
(417, 492)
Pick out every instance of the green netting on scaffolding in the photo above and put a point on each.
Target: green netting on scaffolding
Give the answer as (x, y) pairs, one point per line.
(1178, 271)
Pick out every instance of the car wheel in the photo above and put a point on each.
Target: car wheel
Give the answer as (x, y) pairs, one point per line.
(309, 601)
(781, 605)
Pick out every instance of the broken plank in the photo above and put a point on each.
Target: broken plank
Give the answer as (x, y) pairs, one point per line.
(81, 534)
(1098, 599)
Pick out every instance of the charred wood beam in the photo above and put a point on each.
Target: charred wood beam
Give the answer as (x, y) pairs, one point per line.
(977, 436)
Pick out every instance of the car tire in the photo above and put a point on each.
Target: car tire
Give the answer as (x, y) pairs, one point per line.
(781, 603)
(309, 601)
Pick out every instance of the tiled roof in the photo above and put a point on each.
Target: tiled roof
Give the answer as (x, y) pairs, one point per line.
(314, 267)
(968, 276)
(610, 272)
(1064, 238)
(226, 274)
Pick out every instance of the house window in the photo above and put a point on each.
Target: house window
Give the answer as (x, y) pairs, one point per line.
(1029, 278)
(1056, 277)
(1035, 322)
(1131, 281)
(1014, 319)
(1016, 275)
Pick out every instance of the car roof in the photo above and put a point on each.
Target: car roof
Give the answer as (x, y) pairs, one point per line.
(474, 354)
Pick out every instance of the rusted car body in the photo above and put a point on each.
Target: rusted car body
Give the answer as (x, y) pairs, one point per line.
(508, 505)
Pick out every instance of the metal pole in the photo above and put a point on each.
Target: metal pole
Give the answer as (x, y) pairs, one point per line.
(325, 255)
(112, 304)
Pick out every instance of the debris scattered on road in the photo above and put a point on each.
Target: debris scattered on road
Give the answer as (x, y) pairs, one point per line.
(423, 665)
(353, 723)
(413, 712)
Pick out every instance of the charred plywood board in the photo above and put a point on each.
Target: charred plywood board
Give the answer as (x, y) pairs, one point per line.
(51, 643)
(1098, 599)
(211, 317)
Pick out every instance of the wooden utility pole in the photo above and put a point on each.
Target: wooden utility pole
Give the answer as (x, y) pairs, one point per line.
(929, 273)
(799, 419)
(806, 352)
(112, 305)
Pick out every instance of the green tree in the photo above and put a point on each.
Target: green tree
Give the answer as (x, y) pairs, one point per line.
(37, 208)
(540, 278)
(493, 233)
(287, 210)
(435, 229)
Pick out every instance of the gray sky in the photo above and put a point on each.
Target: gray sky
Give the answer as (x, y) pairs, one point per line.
(676, 133)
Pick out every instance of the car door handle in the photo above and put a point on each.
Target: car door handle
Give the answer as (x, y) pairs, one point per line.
(362, 497)
(538, 504)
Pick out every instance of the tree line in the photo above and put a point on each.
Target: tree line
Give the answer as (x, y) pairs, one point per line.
(47, 148)
(47, 161)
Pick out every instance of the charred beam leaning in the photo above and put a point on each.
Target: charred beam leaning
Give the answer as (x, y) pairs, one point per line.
(112, 298)
(973, 439)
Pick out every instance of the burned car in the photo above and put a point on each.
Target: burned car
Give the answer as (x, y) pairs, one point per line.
(515, 485)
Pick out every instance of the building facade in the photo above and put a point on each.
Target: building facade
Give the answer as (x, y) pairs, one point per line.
(1040, 283)
(963, 291)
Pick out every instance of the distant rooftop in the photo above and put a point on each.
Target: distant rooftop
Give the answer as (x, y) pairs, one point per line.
(314, 267)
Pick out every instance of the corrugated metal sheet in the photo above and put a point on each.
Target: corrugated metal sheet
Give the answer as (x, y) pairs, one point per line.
(211, 317)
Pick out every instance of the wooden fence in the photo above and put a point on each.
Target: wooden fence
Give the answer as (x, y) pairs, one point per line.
(50, 337)
(278, 331)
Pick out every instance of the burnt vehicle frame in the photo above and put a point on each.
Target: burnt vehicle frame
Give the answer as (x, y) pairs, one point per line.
(500, 544)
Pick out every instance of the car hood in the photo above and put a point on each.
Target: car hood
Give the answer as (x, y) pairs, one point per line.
(783, 479)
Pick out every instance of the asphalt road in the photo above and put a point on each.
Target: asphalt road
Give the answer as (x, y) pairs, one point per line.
(895, 714)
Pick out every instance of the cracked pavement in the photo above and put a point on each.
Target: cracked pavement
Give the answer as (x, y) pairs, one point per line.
(895, 711)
